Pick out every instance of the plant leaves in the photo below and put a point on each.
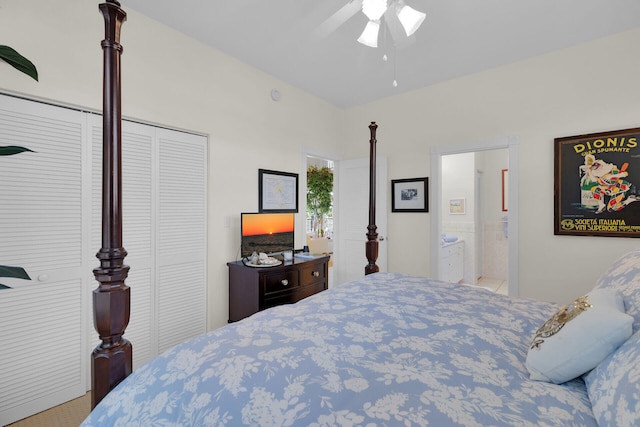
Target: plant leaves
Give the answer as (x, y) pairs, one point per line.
(15, 272)
(10, 150)
(4, 286)
(18, 62)
(319, 190)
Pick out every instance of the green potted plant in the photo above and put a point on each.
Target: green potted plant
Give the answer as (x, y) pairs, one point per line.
(319, 196)
(22, 64)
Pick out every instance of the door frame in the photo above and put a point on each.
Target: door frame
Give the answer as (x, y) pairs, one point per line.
(301, 219)
(512, 145)
(345, 233)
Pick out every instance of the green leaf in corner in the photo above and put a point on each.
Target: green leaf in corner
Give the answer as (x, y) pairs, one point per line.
(4, 286)
(15, 272)
(10, 150)
(18, 62)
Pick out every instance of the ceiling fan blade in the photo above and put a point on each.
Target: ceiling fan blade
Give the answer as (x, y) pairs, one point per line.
(395, 29)
(332, 23)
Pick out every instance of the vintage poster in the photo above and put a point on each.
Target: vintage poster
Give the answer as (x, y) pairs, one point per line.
(596, 184)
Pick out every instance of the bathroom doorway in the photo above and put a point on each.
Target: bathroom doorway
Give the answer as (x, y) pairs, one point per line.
(474, 220)
(471, 191)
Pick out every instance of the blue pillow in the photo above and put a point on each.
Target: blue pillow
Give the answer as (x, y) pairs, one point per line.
(624, 276)
(614, 386)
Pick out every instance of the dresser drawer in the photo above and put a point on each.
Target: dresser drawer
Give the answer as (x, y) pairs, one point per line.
(313, 273)
(311, 289)
(255, 289)
(281, 298)
(280, 281)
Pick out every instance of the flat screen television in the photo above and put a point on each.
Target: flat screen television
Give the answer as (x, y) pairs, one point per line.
(270, 233)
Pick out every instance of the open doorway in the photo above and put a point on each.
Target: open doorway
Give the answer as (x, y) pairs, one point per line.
(474, 219)
(319, 203)
(351, 204)
(470, 194)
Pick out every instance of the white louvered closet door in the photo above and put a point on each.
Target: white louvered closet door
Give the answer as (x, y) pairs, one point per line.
(138, 190)
(42, 332)
(181, 233)
(164, 233)
(51, 224)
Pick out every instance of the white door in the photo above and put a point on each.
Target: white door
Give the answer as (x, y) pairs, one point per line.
(41, 218)
(164, 229)
(353, 217)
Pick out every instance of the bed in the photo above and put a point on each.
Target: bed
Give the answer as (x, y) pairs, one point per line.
(388, 349)
(385, 350)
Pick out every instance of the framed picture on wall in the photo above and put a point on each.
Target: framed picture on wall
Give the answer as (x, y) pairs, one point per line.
(277, 191)
(410, 195)
(457, 206)
(505, 190)
(596, 182)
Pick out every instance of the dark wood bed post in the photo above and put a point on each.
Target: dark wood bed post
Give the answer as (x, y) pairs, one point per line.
(112, 359)
(372, 235)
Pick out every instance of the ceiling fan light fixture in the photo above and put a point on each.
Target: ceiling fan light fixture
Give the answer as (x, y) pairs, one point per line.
(374, 9)
(410, 18)
(369, 36)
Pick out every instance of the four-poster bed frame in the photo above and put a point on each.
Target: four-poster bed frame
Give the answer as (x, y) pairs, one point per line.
(112, 358)
(371, 246)
(345, 356)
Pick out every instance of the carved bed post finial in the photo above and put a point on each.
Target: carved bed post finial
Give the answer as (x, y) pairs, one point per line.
(112, 359)
(372, 236)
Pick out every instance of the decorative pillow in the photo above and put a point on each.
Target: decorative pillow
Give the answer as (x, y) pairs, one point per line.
(614, 386)
(624, 275)
(578, 337)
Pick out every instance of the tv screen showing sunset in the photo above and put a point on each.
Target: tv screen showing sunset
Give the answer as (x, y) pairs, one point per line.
(256, 224)
(267, 232)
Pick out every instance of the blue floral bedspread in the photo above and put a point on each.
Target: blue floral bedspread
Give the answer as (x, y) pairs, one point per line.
(387, 350)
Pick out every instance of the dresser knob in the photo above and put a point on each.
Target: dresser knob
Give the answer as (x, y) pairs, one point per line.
(284, 282)
(316, 274)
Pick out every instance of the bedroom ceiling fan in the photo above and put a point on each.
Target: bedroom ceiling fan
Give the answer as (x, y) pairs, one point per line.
(401, 21)
(394, 12)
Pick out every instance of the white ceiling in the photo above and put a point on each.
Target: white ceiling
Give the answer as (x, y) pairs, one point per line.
(292, 39)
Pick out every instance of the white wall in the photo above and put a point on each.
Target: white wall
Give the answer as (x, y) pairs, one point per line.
(588, 88)
(172, 80)
(491, 163)
(494, 242)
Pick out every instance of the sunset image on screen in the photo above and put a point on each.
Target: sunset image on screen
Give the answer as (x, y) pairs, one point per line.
(267, 224)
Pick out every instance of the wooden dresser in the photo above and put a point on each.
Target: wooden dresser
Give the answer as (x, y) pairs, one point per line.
(252, 289)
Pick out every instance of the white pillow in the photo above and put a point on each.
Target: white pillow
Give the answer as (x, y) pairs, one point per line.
(578, 337)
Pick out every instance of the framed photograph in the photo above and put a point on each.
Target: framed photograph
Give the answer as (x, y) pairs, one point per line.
(277, 191)
(596, 179)
(410, 195)
(457, 207)
(505, 190)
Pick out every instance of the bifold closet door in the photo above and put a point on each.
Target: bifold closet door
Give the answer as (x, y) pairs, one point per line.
(42, 222)
(164, 233)
(51, 225)
(181, 281)
(138, 188)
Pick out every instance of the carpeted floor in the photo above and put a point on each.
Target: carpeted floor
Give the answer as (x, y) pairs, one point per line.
(69, 414)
